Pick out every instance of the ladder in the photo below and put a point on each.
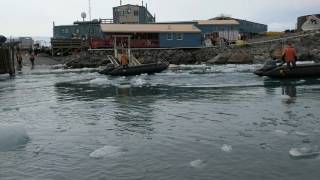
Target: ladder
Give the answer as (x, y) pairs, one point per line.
(134, 61)
(113, 60)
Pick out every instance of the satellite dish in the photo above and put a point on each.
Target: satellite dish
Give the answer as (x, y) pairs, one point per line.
(2, 39)
(83, 15)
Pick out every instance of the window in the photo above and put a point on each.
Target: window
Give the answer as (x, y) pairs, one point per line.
(170, 36)
(77, 31)
(179, 36)
(136, 13)
(66, 31)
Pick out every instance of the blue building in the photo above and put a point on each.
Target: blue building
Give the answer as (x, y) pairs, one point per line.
(132, 14)
(154, 35)
(79, 29)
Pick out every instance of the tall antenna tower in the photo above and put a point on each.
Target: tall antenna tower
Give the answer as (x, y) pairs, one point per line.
(90, 8)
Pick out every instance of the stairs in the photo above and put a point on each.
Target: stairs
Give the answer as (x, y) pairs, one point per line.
(133, 61)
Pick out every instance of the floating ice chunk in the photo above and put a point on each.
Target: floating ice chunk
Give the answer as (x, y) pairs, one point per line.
(12, 137)
(226, 148)
(300, 133)
(281, 132)
(107, 151)
(304, 152)
(138, 82)
(38, 149)
(197, 163)
(99, 81)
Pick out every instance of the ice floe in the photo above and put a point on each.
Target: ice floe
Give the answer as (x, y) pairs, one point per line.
(197, 163)
(100, 81)
(226, 148)
(138, 82)
(12, 137)
(281, 132)
(304, 152)
(107, 152)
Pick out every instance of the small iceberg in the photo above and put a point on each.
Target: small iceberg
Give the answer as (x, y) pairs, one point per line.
(281, 132)
(298, 133)
(304, 152)
(197, 163)
(226, 148)
(99, 82)
(12, 137)
(107, 152)
(138, 82)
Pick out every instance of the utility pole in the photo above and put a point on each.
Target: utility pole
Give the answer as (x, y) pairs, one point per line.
(90, 8)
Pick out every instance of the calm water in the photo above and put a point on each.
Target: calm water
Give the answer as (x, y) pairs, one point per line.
(195, 122)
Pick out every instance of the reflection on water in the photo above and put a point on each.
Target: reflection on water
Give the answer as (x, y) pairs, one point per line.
(132, 113)
(290, 90)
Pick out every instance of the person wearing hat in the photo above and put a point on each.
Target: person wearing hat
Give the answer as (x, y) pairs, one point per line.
(290, 55)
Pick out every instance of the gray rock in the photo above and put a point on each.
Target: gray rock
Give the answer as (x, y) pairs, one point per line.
(241, 58)
(220, 59)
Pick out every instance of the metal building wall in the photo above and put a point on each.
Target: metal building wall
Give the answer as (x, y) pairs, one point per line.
(251, 27)
(83, 30)
(189, 40)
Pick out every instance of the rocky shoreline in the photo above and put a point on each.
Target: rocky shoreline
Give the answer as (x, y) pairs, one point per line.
(307, 47)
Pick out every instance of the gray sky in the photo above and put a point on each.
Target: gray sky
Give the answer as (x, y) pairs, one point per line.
(35, 17)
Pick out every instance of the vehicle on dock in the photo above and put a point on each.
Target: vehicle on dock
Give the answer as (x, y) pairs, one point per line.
(271, 69)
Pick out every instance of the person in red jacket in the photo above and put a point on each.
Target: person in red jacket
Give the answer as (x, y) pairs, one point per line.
(290, 55)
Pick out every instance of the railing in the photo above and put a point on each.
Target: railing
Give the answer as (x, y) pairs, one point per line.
(134, 43)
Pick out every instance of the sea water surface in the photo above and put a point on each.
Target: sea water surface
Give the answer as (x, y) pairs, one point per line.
(190, 122)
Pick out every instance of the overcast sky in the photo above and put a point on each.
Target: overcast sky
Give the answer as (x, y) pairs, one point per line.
(35, 17)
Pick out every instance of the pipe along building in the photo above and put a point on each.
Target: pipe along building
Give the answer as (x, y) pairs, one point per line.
(145, 32)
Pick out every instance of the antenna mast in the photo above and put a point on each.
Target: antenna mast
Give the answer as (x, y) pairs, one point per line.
(90, 8)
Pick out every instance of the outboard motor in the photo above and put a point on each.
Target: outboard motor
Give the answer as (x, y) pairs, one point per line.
(109, 68)
(2, 40)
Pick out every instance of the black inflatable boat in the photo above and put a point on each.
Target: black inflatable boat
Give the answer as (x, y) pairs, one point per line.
(300, 71)
(135, 70)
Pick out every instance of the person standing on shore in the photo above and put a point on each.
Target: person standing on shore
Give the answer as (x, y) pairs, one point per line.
(290, 55)
(32, 58)
(19, 59)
